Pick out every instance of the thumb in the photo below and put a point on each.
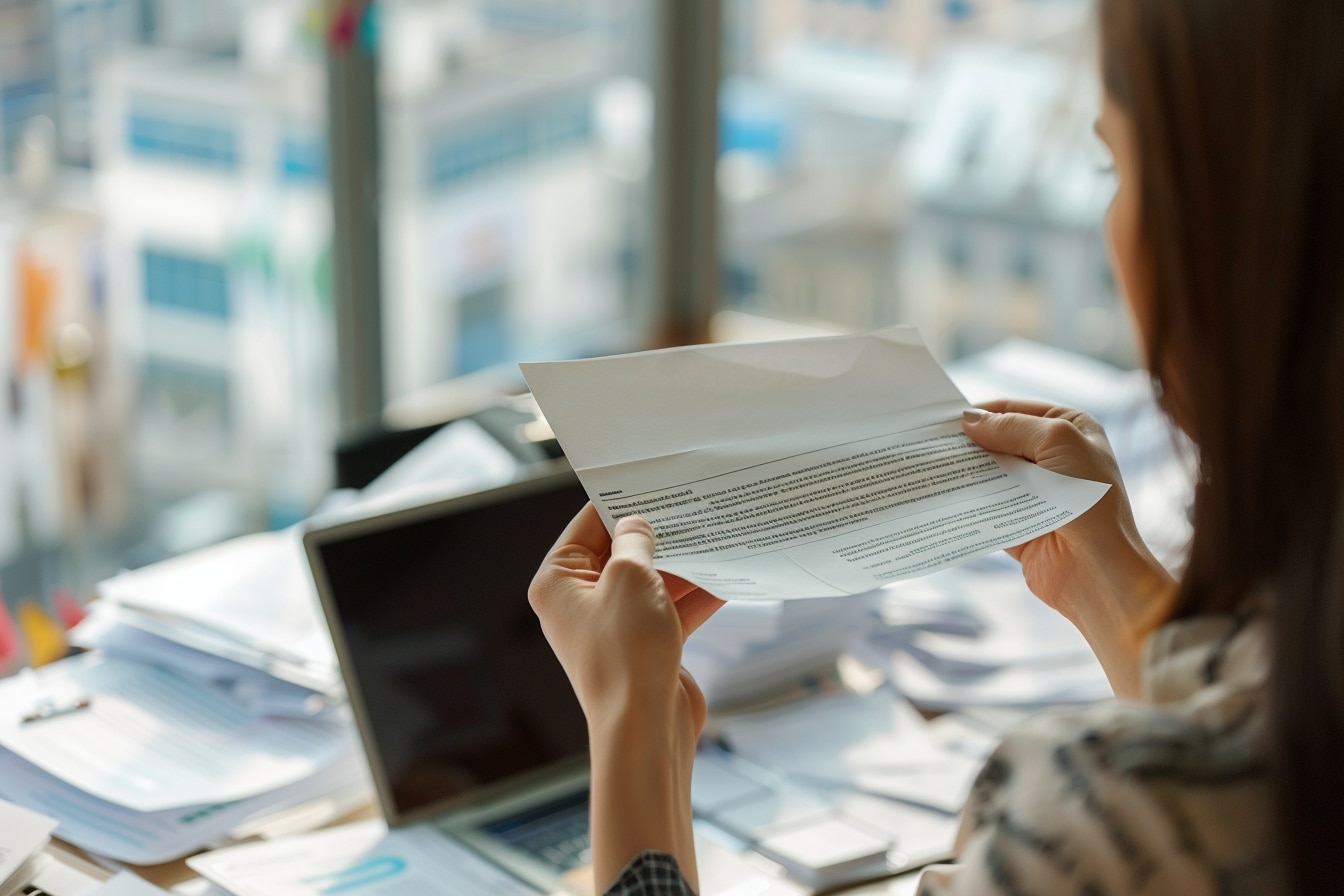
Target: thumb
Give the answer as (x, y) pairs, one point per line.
(631, 546)
(1021, 435)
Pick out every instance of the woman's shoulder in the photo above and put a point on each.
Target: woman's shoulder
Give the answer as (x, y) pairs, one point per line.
(1167, 795)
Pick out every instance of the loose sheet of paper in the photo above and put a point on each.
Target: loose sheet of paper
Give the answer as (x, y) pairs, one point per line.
(22, 834)
(796, 469)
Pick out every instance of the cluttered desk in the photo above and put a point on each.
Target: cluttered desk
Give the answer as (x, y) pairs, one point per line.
(237, 706)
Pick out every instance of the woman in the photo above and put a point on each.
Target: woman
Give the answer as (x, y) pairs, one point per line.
(1218, 769)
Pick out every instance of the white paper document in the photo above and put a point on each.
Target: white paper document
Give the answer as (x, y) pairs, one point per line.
(121, 633)
(796, 469)
(458, 458)
(360, 858)
(128, 884)
(149, 739)
(875, 743)
(250, 599)
(23, 834)
(148, 838)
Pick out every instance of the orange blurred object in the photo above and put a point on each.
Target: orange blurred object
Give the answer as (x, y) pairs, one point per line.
(37, 293)
(45, 636)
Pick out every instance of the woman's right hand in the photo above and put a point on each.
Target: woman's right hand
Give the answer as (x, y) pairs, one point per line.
(1096, 570)
(617, 626)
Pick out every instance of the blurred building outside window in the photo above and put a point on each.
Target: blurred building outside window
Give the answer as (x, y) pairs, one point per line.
(515, 153)
(166, 301)
(918, 161)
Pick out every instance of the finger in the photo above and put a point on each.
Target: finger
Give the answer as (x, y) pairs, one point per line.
(631, 547)
(695, 608)
(677, 586)
(1084, 421)
(1021, 406)
(576, 556)
(585, 535)
(1021, 435)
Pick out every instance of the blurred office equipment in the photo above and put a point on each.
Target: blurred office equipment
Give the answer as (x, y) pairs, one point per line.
(226, 645)
(467, 721)
(453, 691)
(220, 655)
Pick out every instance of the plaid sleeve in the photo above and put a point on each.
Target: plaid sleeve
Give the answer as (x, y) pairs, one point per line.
(650, 874)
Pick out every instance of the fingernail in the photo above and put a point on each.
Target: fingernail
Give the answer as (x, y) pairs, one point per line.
(973, 415)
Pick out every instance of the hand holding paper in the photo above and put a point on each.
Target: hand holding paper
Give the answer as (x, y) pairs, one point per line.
(806, 468)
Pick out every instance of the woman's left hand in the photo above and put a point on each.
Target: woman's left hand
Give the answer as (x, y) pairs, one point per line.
(618, 626)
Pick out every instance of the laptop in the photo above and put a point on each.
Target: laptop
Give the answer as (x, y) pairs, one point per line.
(466, 717)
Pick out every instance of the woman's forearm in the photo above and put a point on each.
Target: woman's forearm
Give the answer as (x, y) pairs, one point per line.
(1136, 593)
(640, 793)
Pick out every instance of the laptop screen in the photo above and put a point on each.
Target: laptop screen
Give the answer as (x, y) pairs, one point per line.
(457, 684)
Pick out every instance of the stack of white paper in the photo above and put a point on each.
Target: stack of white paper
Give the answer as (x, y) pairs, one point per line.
(211, 698)
(874, 743)
(753, 648)
(244, 615)
(148, 838)
(975, 636)
(141, 764)
(249, 601)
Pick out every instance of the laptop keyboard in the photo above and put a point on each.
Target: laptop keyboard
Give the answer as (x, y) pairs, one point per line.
(556, 833)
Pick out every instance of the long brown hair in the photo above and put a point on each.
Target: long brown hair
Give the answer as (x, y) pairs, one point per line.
(1238, 112)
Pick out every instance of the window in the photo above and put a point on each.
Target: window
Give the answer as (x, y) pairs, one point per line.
(184, 283)
(920, 161)
(166, 239)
